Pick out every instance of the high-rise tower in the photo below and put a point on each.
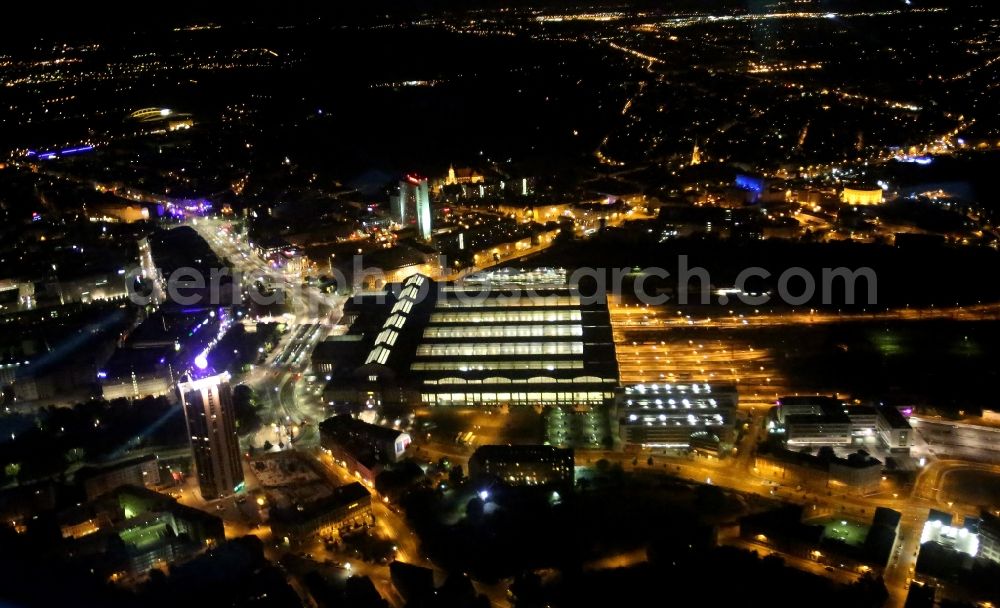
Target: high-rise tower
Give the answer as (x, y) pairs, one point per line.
(423, 209)
(413, 201)
(208, 410)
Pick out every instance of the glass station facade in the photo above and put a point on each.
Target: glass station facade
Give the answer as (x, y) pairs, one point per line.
(492, 344)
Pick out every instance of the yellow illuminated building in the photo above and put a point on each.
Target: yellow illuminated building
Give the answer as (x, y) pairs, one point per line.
(181, 123)
(540, 214)
(463, 175)
(696, 155)
(862, 196)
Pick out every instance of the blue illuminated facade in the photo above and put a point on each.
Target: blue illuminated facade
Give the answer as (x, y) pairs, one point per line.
(750, 183)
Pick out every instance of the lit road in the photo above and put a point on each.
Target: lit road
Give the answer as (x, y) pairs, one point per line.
(387, 523)
(278, 381)
(639, 317)
(951, 439)
(308, 303)
(840, 575)
(393, 526)
(930, 484)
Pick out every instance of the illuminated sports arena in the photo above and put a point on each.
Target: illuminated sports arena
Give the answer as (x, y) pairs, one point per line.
(161, 119)
(862, 195)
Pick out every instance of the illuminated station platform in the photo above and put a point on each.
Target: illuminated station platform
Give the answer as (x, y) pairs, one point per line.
(505, 338)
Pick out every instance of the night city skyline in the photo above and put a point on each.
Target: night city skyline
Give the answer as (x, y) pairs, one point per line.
(500, 304)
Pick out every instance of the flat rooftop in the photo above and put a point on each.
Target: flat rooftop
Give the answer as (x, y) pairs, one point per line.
(892, 416)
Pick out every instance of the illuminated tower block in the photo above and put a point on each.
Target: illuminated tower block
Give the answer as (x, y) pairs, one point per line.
(211, 424)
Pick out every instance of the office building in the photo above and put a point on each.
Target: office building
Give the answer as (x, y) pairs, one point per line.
(864, 420)
(893, 429)
(989, 536)
(882, 535)
(423, 206)
(811, 420)
(522, 465)
(16, 295)
(491, 343)
(667, 415)
(816, 420)
(412, 205)
(208, 409)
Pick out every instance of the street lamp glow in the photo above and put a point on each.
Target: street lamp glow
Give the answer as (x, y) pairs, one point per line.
(483, 494)
(201, 361)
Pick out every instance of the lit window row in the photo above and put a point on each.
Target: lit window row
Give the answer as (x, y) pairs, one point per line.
(506, 316)
(500, 348)
(474, 300)
(379, 355)
(410, 293)
(670, 403)
(503, 331)
(403, 306)
(690, 419)
(510, 276)
(464, 366)
(534, 380)
(667, 389)
(387, 336)
(539, 398)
